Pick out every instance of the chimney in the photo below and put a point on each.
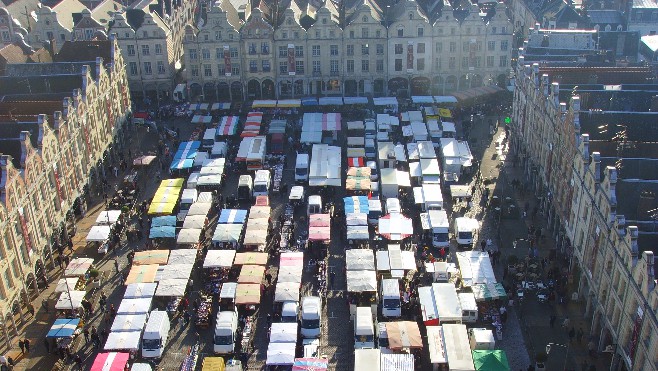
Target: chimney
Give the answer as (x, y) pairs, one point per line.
(42, 120)
(596, 164)
(611, 191)
(647, 256)
(52, 47)
(57, 120)
(584, 139)
(654, 103)
(66, 104)
(25, 143)
(544, 84)
(535, 73)
(555, 92)
(85, 82)
(99, 65)
(620, 225)
(633, 232)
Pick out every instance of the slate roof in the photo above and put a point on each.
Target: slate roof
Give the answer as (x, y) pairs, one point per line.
(65, 10)
(605, 16)
(85, 51)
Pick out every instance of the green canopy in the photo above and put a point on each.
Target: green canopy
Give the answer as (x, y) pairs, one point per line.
(490, 360)
(488, 291)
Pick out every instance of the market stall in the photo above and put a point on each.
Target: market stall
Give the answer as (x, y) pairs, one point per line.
(251, 274)
(403, 335)
(392, 180)
(361, 281)
(144, 160)
(281, 354)
(397, 362)
(128, 322)
(395, 227)
(395, 261)
(108, 217)
(219, 259)
(251, 258)
(162, 232)
(142, 274)
(149, 257)
(182, 256)
(135, 306)
(287, 291)
(99, 233)
(359, 259)
(173, 287)
(110, 362)
(228, 233)
(475, 268)
(63, 333)
(310, 364)
(69, 284)
(319, 227)
(174, 271)
(247, 294)
(70, 300)
(436, 346)
(125, 341)
(490, 360)
(203, 313)
(140, 290)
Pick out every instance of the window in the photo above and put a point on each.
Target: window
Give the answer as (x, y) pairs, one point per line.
(478, 46)
(132, 66)
(296, 35)
(452, 63)
(161, 68)
(464, 62)
(453, 47)
(234, 52)
(219, 53)
(265, 48)
(316, 66)
(421, 32)
(284, 35)
(364, 32)
(10, 282)
(452, 30)
(145, 34)
(400, 32)
(493, 30)
(266, 66)
(158, 49)
(380, 65)
(205, 36)
(283, 51)
(365, 49)
(50, 36)
(491, 46)
(503, 30)
(365, 65)
(420, 48)
(490, 61)
(503, 61)
(317, 34)
(147, 68)
(131, 49)
(398, 65)
(192, 54)
(252, 48)
(316, 50)
(332, 34)
(378, 33)
(145, 50)
(333, 50)
(218, 35)
(299, 51)
(333, 66)
(503, 45)
(350, 66)
(398, 49)
(420, 64)
(351, 34)
(299, 67)
(465, 47)
(221, 69)
(438, 63)
(350, 50)
(283, 67)
(439, 47)
(195, 71)
(207, 70)
(235, 68)
(478, 62)
(6, 36)
(205, 53)
(253, 66)
(380, 49)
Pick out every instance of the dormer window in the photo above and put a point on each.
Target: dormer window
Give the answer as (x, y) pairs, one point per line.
(411, 16)
(364, 19)
(289, 22)
(324, 20)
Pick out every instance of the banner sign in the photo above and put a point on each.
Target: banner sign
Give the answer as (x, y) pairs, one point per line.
(26, 235)
(227, 61)
(410, 57)
(291, 59)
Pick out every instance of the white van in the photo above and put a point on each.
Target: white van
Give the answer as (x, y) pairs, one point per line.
(311, 313)
(156, 334)
(393, 206)
(245, 187)
(262, 182)
(465, 230)
(226, 327)
(364, 329)
(440, 228)
(314, 205)
(391, 303)
(370, 129)
(208, 139)
(469, 307)
(289, 311)
(301, 167)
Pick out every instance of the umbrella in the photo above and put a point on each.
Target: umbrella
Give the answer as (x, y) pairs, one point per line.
(247, 293)
(111, 361)
(490, 360)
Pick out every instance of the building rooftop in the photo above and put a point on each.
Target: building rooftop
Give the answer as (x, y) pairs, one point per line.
(602, 125)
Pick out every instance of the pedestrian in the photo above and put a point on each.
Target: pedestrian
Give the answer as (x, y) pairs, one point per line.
(483, 244)
(116, 265)
(26, 342)
(21, 345)
(58, 260)
(104, 334)
(86, 333)
(78, 361)
(565, 323)
(268, 278)
(332, 278)
(579, 335)
(572, 334)
(186, 317)
(552, 320)
(46, 344)
(113, 310)
(30, 309)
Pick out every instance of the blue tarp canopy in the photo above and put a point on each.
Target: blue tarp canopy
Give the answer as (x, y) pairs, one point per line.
(232, 216)
(160, 221)
(187, 150)
(309, 101)
(356, 204)
(63, 328)
(166, 231)
(182, 164)
(355, 100)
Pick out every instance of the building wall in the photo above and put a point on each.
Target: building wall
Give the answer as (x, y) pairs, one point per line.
(644, 20)
(356, 73)
(616, 280)
(48, 27)
(36, 198)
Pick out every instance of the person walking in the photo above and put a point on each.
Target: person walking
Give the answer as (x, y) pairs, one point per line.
(116, 265)
(21, 345)
(332, 279)
(552, 320)
(26, 342)
(579, 335)
(572, 334)
(78, 361)
(86, 333)
(46, 344)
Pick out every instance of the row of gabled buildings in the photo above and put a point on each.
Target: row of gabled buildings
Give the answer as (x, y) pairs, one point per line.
(584, 127)
(61, 122)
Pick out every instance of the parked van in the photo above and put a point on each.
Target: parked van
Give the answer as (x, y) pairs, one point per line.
(226, 327)
(289, 311)
(393, 206)
(218, 150)
(371, 129)
(465, 229)
(245, 187)
(469, 307)
(364, 329)
(391, 303)
(371, 151)
(262, 182)
(156, 334)
(374, 210)
(301, 167)
(440, 228)
(314, 205)
(208, 139)
(311, 313)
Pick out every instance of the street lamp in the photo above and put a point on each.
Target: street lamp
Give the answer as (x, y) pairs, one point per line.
(566, 357)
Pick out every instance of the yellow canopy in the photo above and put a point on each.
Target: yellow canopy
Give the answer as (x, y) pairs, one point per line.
(444, 112)
(213, 364)
(176, 182)
(162, 208)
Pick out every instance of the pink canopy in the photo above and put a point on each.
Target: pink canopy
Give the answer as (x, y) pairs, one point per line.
(112, 361)
(310, 364)
(319, 220)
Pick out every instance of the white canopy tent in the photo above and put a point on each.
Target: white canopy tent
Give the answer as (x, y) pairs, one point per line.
(127, 340)
(108, 217)
(359, 259)
(135, 306)
(361, 281)
(78, 267)
(194, 222)
(357, 232)
(140, 290)
(219, 259)
(174, 271)
(228, 233)
(283, 333)
(396, 261)
(475, 268)
(182, 256)
(66, 284)
(70, 300)
(98, 233)
(286, 291)
(188, 236)
(199, 208)
(281, 353)
(172, 287)
(128, 322)
(228, 290)
(396, 226)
